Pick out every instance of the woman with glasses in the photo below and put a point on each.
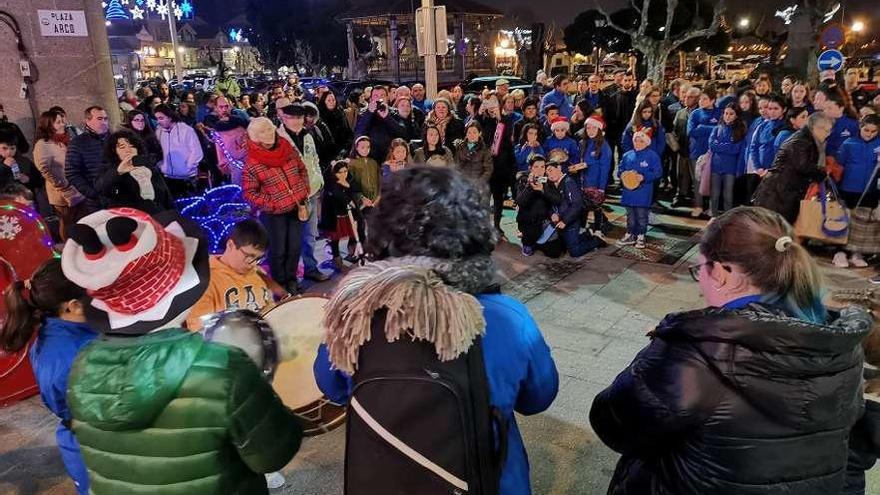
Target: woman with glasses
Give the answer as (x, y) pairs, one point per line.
(755, 393)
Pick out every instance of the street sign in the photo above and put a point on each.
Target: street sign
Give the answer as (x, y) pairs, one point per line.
(440, 46)
(62, 22)
(831, 60)
(832, 37)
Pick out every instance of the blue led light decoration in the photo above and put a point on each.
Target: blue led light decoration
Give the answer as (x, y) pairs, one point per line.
(115, 11)
(217, 211)
(147, 9)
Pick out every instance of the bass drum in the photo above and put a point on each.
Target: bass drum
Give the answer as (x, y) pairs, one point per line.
(296, 322)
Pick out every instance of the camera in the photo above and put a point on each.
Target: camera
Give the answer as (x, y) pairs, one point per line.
(542, 179)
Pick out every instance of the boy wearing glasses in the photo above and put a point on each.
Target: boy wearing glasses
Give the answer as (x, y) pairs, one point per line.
(237, 281)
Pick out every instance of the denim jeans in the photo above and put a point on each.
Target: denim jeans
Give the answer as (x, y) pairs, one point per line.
(578, 244)
(310, 236)
(719, 181)
(637, 219)
(285, 243)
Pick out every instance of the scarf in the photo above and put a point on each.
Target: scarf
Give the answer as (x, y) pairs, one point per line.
(62, 139)
(279, 156)
(427, 299)
(439, 123)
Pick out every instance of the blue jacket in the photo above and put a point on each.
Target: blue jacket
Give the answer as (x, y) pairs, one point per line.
(700, 125)
(571, 208)
(598, 167)
(746, 165)
(725, 152)
(52, 355)
(425, 105)
(521, 372)
(561, 100)
(658, 138)
(858, 159)
(647, 163)
(781, 137)
(761, 149)
(844, 128)
(524, 152)
(568, 144)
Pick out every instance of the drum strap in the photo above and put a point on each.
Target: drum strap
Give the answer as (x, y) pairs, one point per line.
(406, 449)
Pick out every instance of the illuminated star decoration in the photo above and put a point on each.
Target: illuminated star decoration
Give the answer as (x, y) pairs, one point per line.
(137, 13)
(151, 4)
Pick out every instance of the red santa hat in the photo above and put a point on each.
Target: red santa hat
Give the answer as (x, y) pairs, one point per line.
(596, 120)
(140, 273)
(560, 123)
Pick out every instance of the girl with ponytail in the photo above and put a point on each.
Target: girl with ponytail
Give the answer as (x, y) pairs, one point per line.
(51, 305)
(745, 391)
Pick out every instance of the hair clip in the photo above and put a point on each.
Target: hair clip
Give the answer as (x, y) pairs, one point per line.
(783, 243)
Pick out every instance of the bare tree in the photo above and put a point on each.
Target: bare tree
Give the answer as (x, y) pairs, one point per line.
(657, 46)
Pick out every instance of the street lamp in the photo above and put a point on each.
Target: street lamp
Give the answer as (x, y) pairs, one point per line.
(744, 22)
(858, 26)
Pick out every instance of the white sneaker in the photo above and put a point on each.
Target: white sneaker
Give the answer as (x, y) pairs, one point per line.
(627, 240)
(640, 242)
(696, 212)
(275, 480)
(840, 260)
(857, 261)
(652, 219)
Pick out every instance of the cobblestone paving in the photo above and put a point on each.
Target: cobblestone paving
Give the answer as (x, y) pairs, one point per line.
(594, 313)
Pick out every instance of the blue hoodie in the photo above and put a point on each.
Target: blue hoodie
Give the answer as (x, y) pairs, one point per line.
(745, 159)
(858, 159)
(521, 372)
(700, 125)
(598, 167)
(761, 150)
(726, 154)
(561, 100)
(524, 152)
(844, 128)
(568, 144)
(58, 342)
(647, 163)
(658, 137)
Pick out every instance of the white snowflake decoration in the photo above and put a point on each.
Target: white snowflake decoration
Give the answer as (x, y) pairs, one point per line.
(162, 10)
(151, 4)
(9, 227)
(178, 12)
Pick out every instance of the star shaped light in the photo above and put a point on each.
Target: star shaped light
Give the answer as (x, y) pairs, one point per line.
(137, 13)
(151, 4)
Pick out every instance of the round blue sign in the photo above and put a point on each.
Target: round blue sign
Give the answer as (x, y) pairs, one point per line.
(831, 60)
(832, 36)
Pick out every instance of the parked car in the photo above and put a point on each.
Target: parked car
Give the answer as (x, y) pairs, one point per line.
(477, 84)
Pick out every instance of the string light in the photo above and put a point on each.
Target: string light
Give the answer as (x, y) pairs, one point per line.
(215, 136)
(216, 211)
(31, 214)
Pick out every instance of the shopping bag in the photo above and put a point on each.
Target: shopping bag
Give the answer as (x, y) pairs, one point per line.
(823, 218)
(704, 173)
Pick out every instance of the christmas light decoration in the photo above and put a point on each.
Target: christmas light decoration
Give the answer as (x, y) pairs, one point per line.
(31, 214)
(115, 11)
(144, 9)
(217, 211)
(215, 136)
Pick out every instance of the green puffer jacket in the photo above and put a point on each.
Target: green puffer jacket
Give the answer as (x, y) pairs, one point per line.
(168, 414)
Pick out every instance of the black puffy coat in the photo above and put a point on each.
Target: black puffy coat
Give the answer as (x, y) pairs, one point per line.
(795, 166)
(744, 402)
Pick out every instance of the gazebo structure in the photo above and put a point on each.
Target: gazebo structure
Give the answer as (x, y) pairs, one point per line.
(387, 29)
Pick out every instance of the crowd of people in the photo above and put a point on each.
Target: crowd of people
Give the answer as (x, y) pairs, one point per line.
(418, 189)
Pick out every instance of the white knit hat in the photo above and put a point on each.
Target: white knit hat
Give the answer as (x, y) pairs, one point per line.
(261, 130)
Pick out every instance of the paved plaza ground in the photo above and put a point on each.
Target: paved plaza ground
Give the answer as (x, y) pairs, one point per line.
(594, 313)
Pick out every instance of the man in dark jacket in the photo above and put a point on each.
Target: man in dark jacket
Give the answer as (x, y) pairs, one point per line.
(536, 201)
(619, 108)
(377, 122)
(799, 162)
(84, 162)
(569, 218)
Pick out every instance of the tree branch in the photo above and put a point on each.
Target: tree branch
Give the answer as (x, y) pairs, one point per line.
(612, 24)
(671, 5)
(712, 29)
(643, 23)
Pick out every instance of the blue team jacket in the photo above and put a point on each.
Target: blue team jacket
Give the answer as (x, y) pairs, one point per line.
(521, 372)
(858, 159)
(561, 100)
(844, 128)
(761, 150)
(568, 144)
(745, 158)
(781, 137)
(700, 125)
(524, 152)
(58, 342)
(725, 152)
(658, 138)
(647, 163)
(598, 165)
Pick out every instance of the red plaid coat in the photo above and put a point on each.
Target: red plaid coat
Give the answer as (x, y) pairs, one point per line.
(275, 180)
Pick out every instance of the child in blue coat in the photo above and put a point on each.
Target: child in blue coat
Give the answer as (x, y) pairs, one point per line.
(61, 334)
(596, 157)
(638, 201)
(529, 145)
(726, 145)
(560, 141)
(700, 124)
(644, 120)
(859, 157)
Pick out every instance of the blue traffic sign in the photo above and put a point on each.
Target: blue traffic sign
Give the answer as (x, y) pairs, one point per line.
(832, 37)
(831, 60)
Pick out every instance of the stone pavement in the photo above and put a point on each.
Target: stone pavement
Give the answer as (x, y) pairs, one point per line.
(594, 313)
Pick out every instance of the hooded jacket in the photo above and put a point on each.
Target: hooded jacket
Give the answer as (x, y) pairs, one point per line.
(275, 180)
(844, 128)
(762, 149)
(742, 401)
(858, 159)
(700, 124)
(726, 153)
(652, 129)
(598, 165)
(646, 163)
(475, 163)
(168, 413)
(181, 151)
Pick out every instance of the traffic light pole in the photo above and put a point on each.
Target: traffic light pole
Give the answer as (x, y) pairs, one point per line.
(431, 55)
